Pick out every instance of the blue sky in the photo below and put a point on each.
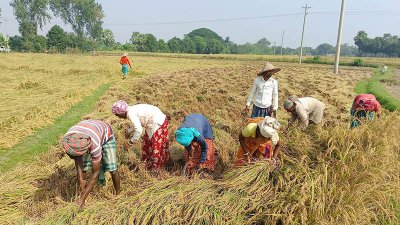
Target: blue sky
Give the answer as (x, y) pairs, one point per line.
(124, 17)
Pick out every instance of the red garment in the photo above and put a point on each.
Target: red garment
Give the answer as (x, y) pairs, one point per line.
(155, 151)
(194, 158)
(366, 102)
(124, 60)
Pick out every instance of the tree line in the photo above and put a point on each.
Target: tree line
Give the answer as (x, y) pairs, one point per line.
(386, 46)
(86, 19)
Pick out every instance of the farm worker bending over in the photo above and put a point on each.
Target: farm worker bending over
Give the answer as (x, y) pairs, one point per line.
(195, 133)
(91, 143)
(259, 140)
(364, 106)
(124, 61)
(264, 93)
(306, 110)
(155, 143)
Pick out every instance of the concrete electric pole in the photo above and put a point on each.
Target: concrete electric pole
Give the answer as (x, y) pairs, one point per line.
(339, 40)
(302, 34)
(283, 33)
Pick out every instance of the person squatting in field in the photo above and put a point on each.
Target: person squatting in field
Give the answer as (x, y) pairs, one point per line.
(264, 93)
(306, 110)
(124, 61)
(91, 144)
(259, 140)
(155, 143)
(196, 134)
(365, 106)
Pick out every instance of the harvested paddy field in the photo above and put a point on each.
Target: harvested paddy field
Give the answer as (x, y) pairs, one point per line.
(329, 174)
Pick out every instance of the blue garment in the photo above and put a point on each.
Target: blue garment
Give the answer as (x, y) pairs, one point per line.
(203, 126)
(355, 117)
(125, 69)
(260, 112)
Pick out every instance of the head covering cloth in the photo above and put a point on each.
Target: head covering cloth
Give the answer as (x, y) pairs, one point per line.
(268, 129)
(185, 135)
(119, 107)
(76, 144)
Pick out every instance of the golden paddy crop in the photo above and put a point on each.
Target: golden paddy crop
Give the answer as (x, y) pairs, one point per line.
(38, 88)
(330, 174)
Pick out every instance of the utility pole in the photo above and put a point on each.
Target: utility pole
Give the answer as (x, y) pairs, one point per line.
(302, 34)
(283, 33)
(274, 47)
(339, 40)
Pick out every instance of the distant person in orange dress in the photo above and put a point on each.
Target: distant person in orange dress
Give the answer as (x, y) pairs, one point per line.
(124, 61)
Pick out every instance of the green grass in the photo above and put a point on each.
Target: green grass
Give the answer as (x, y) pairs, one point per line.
(42, 139)
(374, 85)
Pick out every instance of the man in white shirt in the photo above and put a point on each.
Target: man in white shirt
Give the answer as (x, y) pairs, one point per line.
(155, 144)
(264, 93)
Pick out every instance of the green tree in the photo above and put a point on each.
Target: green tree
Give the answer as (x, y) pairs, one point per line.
(57, 39)
(150, 43)
(162, 46)
(16, 43)
(84, 16)
(324, 49)
(174, 45)
(107, 39)
(205, 33)
(200, 44)
(138, 41)
(214, 46)
(188, 45)
(30, 15)
(39, 43)
(361, 41)
(348, 50)
(262, 46)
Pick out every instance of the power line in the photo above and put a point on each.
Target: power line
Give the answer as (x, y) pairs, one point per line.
(323, 13)
(211, 20)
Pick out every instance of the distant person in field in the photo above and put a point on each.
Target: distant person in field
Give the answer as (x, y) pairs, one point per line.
(196, 135)
(155, 143)
(259, 140)
(305, 110)
(124, 61)
(365, 106)
(91, 144)
(264, 93)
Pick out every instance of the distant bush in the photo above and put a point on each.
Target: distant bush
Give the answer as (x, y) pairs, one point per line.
(357, 62)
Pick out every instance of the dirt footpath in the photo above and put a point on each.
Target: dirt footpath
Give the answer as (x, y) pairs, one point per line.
(394, 88)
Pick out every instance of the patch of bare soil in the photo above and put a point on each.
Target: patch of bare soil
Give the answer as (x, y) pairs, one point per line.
(394, 88)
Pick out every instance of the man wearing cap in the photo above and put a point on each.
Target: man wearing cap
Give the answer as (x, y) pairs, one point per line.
(196, 135)
(264, 93)
(364, 106)
(91, 144)
(155, 145)
(124, 61)
(307, 110)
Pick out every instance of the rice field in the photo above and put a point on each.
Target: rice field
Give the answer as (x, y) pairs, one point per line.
(329, 174)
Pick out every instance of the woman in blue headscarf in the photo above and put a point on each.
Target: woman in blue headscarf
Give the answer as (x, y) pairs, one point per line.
(195, 133)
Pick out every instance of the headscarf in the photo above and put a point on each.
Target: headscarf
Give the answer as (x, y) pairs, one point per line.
(119, 107)
(289, 102)
(76, 144)
(185, 135)
(268, 129)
